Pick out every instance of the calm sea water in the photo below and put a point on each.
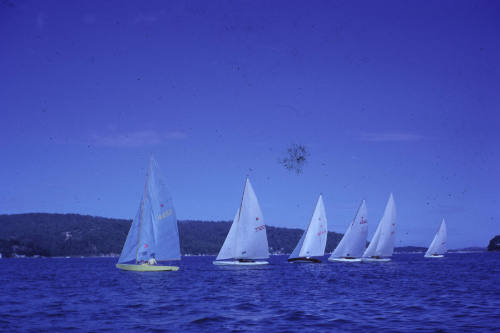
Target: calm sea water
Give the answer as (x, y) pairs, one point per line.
(458, 293)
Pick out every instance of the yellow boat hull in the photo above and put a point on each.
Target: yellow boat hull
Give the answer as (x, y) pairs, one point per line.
(146, 268)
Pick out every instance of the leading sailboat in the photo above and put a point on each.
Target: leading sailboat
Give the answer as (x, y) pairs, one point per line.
(247, 238)
(438, 248)
(352, 245)
(153, 236)
(313, 240)
(382, 244)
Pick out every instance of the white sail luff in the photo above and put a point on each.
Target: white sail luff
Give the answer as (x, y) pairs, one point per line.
(313, 241)
(252, 237)
(385, 246)
(382, 244)
(438, 245)
(228, 249)
(372, 247)
(353, 242)
(298, 247)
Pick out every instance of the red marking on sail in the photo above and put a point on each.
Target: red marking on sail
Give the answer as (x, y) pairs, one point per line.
(256, 219)
(146, 246)
(161, 205)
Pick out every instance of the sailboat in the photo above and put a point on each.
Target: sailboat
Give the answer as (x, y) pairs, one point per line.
(352, 245)
(246, 241)
(153, 236)
(437, 248)
(313, 240)
(382, 244)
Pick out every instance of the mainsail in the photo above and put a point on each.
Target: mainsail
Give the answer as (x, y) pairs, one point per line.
(153, 233)
(438, 245)
(353, 243)
(382, 244)
(247, 237)
(313, 240)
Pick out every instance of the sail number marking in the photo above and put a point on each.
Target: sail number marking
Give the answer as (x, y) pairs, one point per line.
(165, 214)
(321, 232)
(260, 227)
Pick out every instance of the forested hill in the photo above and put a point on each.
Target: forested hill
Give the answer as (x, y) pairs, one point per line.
(82, 235)
(494, 244)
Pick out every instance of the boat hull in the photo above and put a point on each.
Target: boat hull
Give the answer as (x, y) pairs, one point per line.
(240, 263)
(375, 259)
(146, 268)
(305, 260)
(435, 256)
(344, 259)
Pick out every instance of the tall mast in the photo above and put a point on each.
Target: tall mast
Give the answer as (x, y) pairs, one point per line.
(310, 221)
(142, 207)
(241, 204)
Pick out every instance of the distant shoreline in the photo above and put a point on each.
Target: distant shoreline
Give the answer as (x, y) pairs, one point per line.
(453, 251)
(74, 235)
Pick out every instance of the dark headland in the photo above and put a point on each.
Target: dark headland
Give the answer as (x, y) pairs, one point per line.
(494, 244)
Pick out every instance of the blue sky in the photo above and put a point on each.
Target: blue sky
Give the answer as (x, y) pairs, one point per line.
(387, 96)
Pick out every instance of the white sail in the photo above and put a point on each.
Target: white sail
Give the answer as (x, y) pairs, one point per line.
(313, 240)
(382, 244)
(298, 247)
(353, 243)
(228, 249)
(247, 237)
(438, 245)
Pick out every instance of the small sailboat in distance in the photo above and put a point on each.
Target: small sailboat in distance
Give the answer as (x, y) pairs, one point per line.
(438, 247)
(153, 235)
(313, 240)
(246, 241)
(382, 244)
(352, 245)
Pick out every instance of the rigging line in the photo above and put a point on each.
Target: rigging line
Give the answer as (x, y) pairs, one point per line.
(142, 208)
(348, 231)
(309, 225)
(241, 205)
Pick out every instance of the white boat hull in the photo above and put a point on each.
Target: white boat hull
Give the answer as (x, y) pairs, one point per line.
(344, 259)
(435, 256)
(375, 259)
(239, 263)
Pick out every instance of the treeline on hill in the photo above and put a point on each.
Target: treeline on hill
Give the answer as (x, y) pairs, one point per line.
(198, 237)
(82, 235)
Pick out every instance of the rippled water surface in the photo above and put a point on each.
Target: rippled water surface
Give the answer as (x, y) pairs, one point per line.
(456, 293)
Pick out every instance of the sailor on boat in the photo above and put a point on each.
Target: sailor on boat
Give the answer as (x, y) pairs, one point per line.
(246, 260)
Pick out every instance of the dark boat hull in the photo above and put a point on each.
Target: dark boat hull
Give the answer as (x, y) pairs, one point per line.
(305, 260)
